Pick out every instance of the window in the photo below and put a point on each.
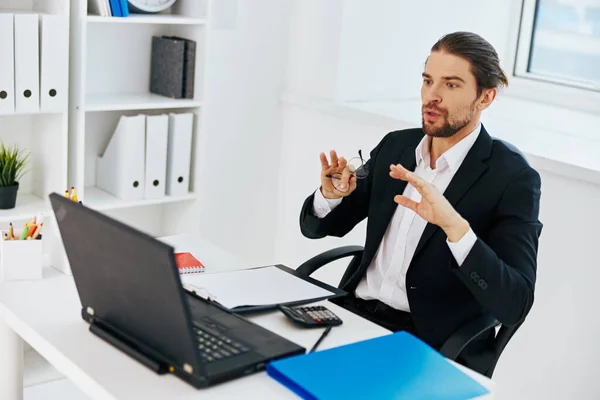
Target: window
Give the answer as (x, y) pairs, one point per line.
(559, 41)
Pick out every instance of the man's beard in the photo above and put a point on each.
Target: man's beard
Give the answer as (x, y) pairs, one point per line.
(449, 128)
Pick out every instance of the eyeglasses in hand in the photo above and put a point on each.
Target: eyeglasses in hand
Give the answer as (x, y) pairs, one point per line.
(357, 167)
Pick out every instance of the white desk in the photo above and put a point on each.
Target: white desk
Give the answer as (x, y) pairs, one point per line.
(46, 314)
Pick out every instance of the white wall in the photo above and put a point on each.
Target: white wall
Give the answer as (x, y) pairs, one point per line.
(553, 355)
(242, 140)
(384, 43)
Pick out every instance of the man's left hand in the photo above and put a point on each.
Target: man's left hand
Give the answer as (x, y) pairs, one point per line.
(433, 207)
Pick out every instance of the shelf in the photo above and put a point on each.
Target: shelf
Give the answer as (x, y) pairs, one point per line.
(37, 370)
(100, 200)
(139, 101)
(17, 113)
(146, 19)
(27, 207)
(62, 389)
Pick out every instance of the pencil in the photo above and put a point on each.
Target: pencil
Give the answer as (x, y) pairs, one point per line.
(37, 232)
(74, 194)
(24, 233)
(33, 228)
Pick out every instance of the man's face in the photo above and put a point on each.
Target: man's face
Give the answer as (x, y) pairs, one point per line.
(448, 94)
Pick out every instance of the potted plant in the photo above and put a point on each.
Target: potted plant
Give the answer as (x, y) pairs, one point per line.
(12, 164)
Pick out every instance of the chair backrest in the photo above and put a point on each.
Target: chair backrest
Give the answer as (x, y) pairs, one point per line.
(505, 333)
(456, 343)
(318, 261)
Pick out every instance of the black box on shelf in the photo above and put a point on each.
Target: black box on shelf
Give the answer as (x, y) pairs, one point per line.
(173, 65)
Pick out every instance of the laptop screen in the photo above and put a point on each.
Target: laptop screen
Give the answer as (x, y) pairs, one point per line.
(128, 278)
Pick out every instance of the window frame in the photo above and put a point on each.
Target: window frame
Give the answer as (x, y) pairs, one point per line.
(524, 84)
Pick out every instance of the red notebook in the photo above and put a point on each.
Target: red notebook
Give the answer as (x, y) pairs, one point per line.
(187, 263)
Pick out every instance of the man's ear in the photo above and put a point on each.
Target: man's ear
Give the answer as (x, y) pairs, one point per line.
(487, 98)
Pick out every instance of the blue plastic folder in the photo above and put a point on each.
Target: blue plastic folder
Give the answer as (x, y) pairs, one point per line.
(396, 366)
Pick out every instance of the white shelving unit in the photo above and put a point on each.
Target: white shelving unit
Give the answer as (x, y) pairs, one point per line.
(108, 69)
(168, 19)
(43, 134)
(110, 78)
(135, 101)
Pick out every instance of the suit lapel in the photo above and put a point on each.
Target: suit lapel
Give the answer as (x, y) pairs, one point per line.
(470, 170)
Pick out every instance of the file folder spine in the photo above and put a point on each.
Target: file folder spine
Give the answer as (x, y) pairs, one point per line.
(189, 69)
(157, 130)
(179, 153)
(289, 383)
(120, 170)
(54, 58)
(27, 71)
(124, 8)
(7, 64)
(115, 8)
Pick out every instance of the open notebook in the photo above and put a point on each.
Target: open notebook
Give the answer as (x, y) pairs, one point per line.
(259, 288)
(187, 263)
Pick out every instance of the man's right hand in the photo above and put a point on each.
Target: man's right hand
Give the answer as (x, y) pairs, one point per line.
(345, 181)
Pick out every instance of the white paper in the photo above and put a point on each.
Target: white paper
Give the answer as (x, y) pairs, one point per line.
(254, 287)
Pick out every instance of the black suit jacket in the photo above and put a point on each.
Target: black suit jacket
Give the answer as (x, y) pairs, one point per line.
(494, 189)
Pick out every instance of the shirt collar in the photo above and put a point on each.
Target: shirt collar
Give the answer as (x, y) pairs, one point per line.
(453, 157)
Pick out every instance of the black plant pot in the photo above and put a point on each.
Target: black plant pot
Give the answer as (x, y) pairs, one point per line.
(8, 196)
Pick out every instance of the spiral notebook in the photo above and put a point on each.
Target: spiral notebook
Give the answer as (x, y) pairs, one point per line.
(188, 264)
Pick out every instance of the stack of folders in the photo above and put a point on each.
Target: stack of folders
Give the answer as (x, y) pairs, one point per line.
(108, 8)
(172, 69)
(148, 157)
(34, 57)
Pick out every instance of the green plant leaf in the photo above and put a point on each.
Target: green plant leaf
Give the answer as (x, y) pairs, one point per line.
(12, 164)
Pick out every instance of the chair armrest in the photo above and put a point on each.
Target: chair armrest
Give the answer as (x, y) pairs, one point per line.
(310, 266)
(463, 336)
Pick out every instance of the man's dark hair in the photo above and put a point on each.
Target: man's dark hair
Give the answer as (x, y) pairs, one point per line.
(485, 63)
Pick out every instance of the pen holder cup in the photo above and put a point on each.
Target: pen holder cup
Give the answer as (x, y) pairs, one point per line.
(20, 259)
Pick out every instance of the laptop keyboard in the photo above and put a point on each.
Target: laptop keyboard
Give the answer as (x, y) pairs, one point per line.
(217, 347)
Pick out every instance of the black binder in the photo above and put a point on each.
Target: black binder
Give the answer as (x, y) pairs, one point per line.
(173, 65)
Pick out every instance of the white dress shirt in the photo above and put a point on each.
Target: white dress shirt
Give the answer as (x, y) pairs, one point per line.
(385, 279)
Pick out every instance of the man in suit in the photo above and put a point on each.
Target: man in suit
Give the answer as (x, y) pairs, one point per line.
(452, 214)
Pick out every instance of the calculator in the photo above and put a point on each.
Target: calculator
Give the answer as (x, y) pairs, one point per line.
(311, 317)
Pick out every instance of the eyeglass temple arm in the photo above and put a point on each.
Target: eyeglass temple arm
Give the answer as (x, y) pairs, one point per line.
(362, 160)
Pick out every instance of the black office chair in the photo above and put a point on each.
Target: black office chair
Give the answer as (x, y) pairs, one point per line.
(455, 344)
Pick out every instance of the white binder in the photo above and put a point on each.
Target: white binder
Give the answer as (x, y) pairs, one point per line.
(157, 131)
(54, 63)
(7, 64)
(120, 170)
(27, 70)
(179, 153)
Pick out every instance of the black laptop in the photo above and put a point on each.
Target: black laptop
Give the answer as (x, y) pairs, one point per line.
(132, 297)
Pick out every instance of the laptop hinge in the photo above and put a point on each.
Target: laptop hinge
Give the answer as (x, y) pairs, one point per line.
(121, 342)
